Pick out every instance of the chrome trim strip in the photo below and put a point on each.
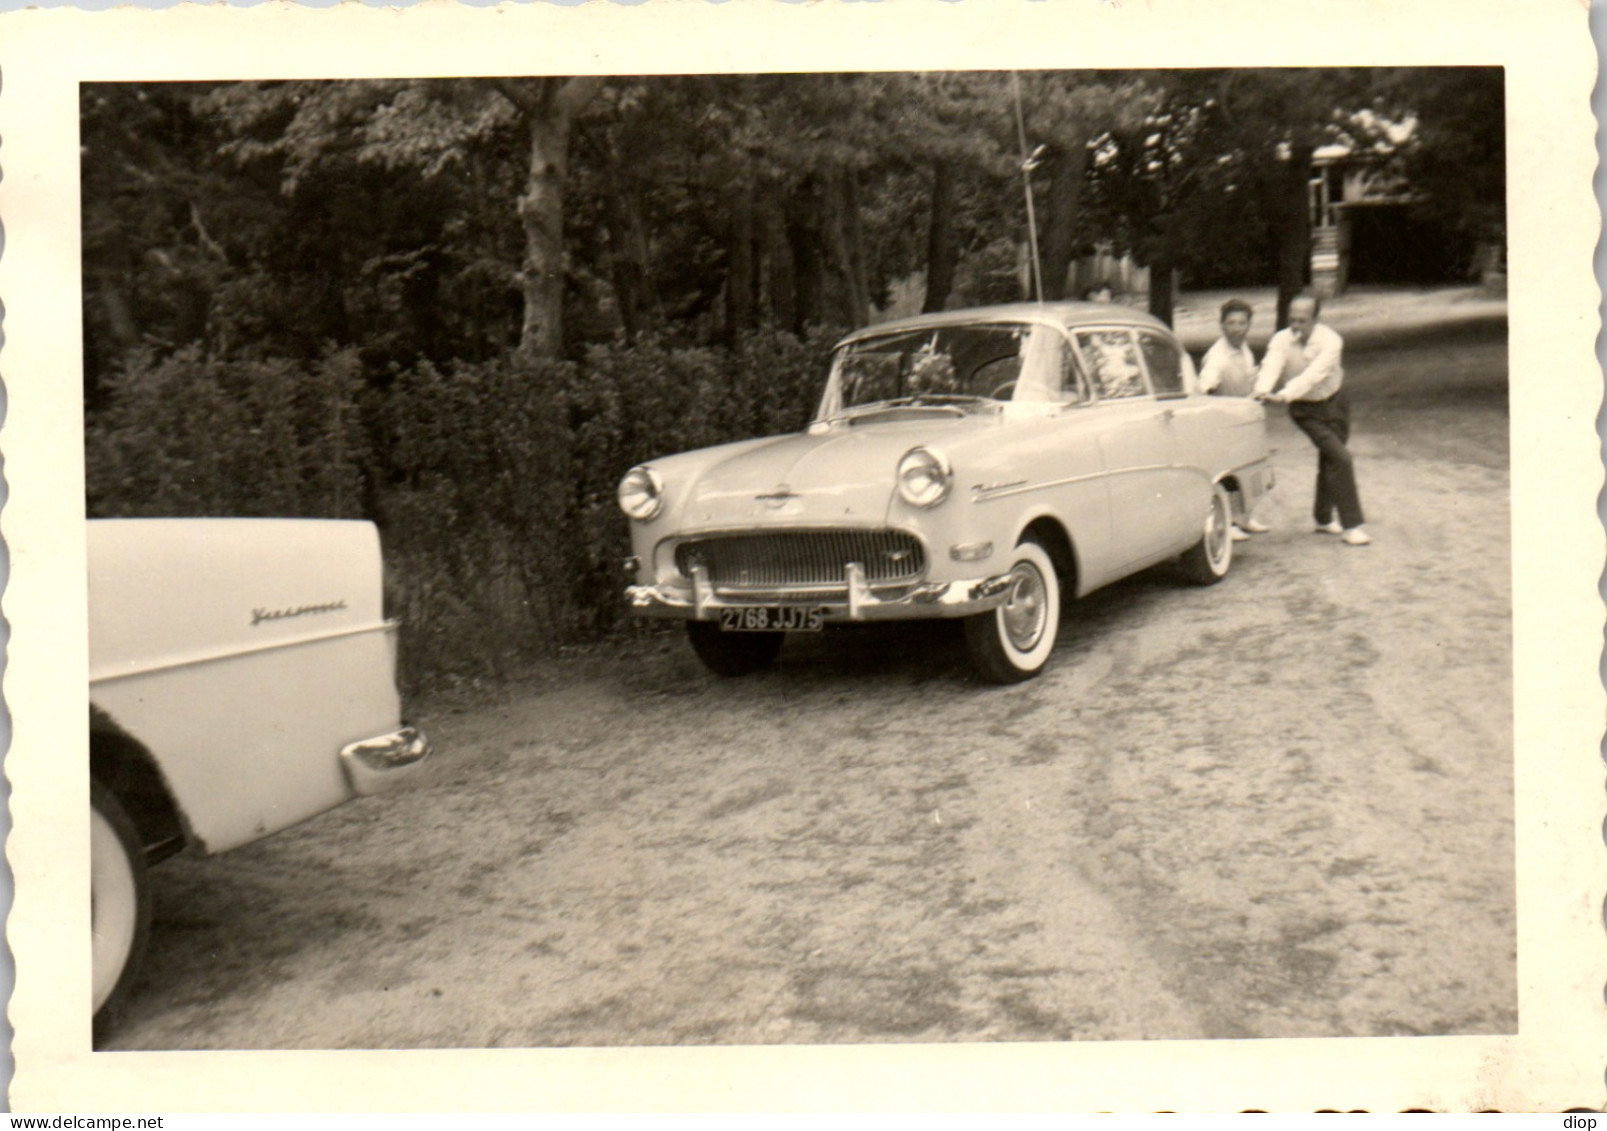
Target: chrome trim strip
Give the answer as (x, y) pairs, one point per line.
(1007, 492)
(389, 626)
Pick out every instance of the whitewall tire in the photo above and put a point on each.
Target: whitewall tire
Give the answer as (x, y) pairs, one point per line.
(1212, 556)
(1012, 642)
(120, 902)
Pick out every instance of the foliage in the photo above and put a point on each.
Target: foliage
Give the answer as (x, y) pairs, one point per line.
(1457, 155)
(493, 485)
(474, 507)
(189, 435)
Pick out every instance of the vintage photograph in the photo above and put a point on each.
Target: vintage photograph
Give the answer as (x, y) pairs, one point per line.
(1017, 558)
(1025, 668)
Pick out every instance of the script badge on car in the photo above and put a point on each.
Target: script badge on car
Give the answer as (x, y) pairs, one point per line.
(771, 618)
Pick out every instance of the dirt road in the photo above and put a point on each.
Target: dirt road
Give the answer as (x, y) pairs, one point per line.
(1281, 806)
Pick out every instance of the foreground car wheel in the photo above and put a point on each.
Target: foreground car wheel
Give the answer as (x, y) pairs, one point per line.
(733, 653)
(1209, 560)
(1012, 642)
(119, 895)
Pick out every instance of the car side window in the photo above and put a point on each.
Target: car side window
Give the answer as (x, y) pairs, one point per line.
(1164, 362)
(1113, 364)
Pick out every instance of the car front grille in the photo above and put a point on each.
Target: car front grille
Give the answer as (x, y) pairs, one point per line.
(804, 558)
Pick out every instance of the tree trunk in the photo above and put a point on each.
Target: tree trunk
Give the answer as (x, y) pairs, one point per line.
(1066, 168)
(804, 241)
(942, 252)
(541, 212)
(776, 269)
(1294, 235)
(858, 264)
(1162, 269)
(840, 220)
(548, 107)
(629, 262)
(741, 289)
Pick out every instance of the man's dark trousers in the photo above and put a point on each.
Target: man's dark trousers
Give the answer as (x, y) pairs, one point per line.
(1327, 425)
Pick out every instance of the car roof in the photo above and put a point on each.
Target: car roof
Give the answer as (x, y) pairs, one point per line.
(1067, 314)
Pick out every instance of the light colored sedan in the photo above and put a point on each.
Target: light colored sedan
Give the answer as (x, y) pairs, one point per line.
(973, 464)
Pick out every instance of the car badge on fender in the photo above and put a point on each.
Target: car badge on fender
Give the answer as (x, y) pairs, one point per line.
(260, 615)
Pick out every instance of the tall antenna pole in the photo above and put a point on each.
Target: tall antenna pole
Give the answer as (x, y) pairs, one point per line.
(1028, 163)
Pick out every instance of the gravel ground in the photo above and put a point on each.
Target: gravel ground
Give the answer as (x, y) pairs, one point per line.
(1278, 807)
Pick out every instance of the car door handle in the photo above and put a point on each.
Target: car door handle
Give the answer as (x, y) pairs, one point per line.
(1168, 414)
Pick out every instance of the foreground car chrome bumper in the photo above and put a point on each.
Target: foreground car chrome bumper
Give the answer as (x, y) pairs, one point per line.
(857, 602)
(379, 762)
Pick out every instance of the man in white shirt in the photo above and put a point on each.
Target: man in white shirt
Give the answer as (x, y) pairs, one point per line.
(1228, 367)
(1228, 370)
(1306, 360)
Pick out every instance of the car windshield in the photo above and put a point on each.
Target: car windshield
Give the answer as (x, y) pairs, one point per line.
(948, 366)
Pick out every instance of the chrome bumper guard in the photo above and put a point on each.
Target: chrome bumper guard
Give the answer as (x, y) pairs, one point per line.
(377, 763)
(856, 602)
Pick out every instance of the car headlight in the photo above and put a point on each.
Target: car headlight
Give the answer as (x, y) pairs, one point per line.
(641, 493)
(923, 478)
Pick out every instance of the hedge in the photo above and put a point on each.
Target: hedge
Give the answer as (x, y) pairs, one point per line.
(492, 484)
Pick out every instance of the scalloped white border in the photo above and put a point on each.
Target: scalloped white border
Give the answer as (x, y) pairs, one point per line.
(1557, 1058)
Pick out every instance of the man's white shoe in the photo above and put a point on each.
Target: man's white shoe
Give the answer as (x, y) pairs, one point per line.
(1239, 535)
(1355, 536)
(1254, 527)
(1329, 528)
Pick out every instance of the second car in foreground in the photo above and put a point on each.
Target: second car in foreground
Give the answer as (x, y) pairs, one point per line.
(975, 464)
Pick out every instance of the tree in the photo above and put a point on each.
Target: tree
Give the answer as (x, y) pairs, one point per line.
(1456, 156)
(1068, 111)
(547, 108)
(1226, 155)
(1282, 115)
(429, 129)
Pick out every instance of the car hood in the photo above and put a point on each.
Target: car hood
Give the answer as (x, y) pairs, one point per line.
(842, 473)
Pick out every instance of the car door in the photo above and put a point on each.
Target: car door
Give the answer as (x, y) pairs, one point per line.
(1191, 426)
(1212, 434)
(1136, 446)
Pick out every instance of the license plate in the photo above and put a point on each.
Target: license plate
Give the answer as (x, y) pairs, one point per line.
(771, 618)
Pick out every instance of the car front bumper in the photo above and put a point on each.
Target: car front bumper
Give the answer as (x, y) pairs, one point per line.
(377, 763)
(852, 603)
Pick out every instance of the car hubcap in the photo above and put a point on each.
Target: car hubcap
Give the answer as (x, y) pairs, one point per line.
(1023, 615)
(113, 906)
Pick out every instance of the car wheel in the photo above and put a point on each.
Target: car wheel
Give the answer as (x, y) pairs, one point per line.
(733, 653)
(1012, 642)
(119, 899)
(1209, 560)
